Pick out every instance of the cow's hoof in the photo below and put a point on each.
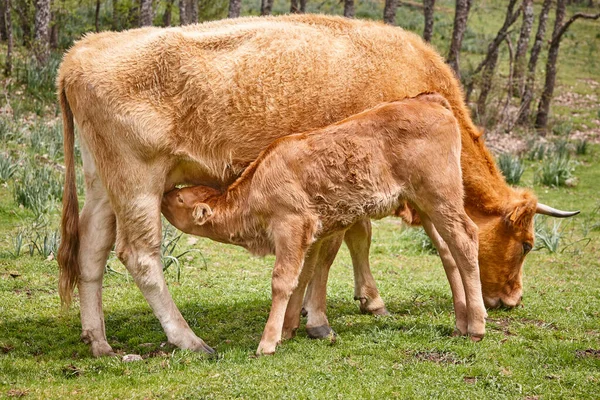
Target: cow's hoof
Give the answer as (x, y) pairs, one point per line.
(202, 347)
(476, 338)
(265, 349)
(288, 333)
(102, 349)
(321, 332)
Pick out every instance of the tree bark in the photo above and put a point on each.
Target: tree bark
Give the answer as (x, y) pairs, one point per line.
(266, 7)
(54, 25)
(389, 12)
(428, 14)
(193, 15)
(302, 6)
(522, 44)
(97, 16)
(182, 13)
(9, 37)
(42, 25)
(3, 33)
(349, 8)
(460, 26)
(146, 13)
(115, 15)
(541, 119)
(294, 7)
(235, 8)
(527, 96)
(168, 14)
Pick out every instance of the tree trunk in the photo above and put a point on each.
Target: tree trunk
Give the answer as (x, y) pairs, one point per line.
(25, 21)
(146, 14)
(9, 37)
(266, 6)
(460, 26)
(527, 97)
(235, 8)
(182, 13)
(541, 119)
(97, 16)
(54, 25)
(294, 7)
(302, 6)
(389, 12)
(166, 19)
(428, 14)
(3, 33)
(193, 17)
(115, 15)
(522, 45)
(42, 25)
(349, 8)
(491, 59)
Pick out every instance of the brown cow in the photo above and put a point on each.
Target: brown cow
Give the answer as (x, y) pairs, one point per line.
(306, 188)
(197, 104)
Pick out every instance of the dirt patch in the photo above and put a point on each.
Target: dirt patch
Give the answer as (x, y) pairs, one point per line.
(17, 393)
(471, 380)
(539, 323)
(502, 325)
(588, 353)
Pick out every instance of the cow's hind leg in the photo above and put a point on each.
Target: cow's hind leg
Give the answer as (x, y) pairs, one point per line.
(138, 247)
(96, 236)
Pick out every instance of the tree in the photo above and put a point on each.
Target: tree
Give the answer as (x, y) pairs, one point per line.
(489, 63)
(349, 8)
(389, 12)
(26, 14)
(97, 16)
(193, 15)
(266, 6)
(146, 13)
(541, 119)
(428, 14)
(9, 37)
(168, 14)
(115, 15)
(182, 13)
(3, 33)
(522, 45)
(527, 96)
(460, 26)
(298, 8)
(41, 29)
(235, 7)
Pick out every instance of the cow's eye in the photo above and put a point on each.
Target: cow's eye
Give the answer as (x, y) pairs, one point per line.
(527, 247)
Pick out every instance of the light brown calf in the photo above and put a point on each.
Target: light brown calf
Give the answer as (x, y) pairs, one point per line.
(307, 188)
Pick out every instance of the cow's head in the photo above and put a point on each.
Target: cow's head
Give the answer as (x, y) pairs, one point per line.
(187, 208)
(504, 241)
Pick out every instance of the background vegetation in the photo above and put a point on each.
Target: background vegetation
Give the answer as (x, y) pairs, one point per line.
(548, 348)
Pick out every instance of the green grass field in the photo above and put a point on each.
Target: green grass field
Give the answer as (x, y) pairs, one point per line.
(549, 348)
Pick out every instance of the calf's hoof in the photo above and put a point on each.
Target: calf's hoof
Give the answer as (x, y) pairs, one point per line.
(321, 332)
(266, 349)
(476, 337)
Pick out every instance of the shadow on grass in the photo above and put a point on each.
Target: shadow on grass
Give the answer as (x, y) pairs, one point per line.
(224, 326)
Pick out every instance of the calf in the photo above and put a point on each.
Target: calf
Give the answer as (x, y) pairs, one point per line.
(305, 189)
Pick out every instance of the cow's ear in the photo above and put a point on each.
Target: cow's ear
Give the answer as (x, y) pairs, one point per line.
(521, 214)
(202, 213)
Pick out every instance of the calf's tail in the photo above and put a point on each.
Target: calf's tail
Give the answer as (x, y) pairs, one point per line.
(68, 251)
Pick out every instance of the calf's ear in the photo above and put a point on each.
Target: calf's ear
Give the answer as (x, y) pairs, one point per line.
(202, 213)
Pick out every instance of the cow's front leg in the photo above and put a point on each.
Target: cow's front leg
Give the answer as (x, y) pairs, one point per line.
(138, 247)
(358, 240)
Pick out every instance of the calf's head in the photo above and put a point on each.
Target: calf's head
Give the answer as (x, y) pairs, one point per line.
(187, 208)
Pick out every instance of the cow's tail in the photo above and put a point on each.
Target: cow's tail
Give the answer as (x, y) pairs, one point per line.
(68, 252)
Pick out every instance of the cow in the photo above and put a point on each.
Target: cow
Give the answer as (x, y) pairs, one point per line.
(306, 188)
(160, 107)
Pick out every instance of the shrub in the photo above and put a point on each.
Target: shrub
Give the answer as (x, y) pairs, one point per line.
(554, 171)
(36, 188)
(547, 237)
(7, 167)
(537, 152)
(581, 147)
(512, 168)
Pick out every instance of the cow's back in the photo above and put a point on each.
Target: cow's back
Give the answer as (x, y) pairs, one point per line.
(217, 94)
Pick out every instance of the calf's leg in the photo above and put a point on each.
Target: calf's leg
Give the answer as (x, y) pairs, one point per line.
(96, 238)
(453, 275)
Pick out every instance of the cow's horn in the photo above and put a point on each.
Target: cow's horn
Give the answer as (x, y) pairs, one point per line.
(553, 212)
